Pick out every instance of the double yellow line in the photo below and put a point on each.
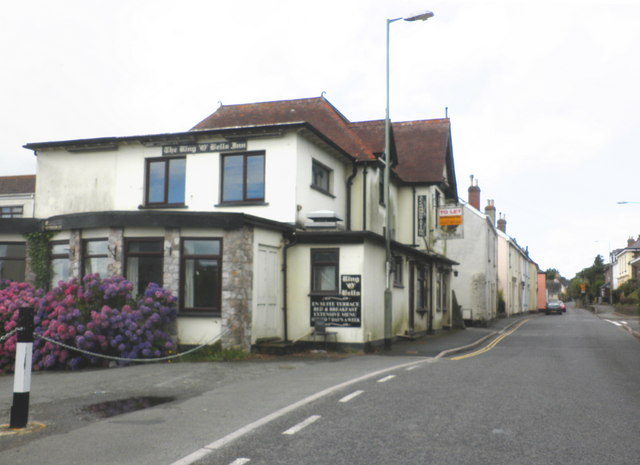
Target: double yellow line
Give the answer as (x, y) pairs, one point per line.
(492, 344)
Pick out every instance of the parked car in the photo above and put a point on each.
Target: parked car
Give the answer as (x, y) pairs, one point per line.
(556, 306)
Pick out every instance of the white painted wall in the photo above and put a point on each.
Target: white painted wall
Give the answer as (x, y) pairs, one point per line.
(477, 273)
(309, 199)
(16, 200)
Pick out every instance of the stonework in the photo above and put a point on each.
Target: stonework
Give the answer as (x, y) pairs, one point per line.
(115, 247)
(171, 263)
(237, 288)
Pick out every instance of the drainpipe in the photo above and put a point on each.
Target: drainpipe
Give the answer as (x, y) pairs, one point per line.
(285, 312)
(349, 183)
(364, 198)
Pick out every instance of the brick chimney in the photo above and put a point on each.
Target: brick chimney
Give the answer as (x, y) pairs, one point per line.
(474, 194)
(502, 223)
(631, 242)
(490, 211)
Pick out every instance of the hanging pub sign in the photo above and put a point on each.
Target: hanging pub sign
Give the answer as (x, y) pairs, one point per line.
(422, 216)
(342, 310)
(450, 221)
(204, 147)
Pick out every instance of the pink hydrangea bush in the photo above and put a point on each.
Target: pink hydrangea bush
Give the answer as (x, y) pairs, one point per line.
(13, 295)
(99, 316)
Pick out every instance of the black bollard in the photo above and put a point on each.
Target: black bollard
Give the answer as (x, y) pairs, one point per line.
(22, 379)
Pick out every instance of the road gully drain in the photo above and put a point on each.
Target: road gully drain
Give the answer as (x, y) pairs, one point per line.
(112, 408)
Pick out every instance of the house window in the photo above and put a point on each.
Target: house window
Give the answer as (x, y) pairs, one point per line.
(201, 275)
(243, 177)
(321, 177)
(325, 265)
(94, 257)
(11, 211)
(398, 264)
(59, 262)
(12, 261)
(165, 181)
(143, 262)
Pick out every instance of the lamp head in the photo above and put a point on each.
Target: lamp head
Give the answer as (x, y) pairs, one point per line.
(421, 17)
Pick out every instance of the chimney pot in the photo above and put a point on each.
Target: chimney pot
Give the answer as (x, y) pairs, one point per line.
(502, 223)
(474, 194)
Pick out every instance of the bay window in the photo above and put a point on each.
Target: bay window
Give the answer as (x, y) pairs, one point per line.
(144, 259)
(201, 275)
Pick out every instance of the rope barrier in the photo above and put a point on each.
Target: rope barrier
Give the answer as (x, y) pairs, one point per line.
(10, 333)
(122, 359)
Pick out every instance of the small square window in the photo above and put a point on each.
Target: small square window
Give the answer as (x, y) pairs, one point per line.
(321, 177)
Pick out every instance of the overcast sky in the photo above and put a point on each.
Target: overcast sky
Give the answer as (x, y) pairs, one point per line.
(543, 96)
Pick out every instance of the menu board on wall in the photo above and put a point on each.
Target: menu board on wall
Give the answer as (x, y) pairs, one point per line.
(342, 310)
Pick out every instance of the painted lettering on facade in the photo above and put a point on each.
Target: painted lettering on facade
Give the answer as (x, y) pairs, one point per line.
(342, 310)
(204, 147)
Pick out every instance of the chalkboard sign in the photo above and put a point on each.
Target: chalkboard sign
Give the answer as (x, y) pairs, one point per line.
(342, 310)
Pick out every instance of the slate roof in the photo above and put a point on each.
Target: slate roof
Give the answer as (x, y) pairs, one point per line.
(17, 184)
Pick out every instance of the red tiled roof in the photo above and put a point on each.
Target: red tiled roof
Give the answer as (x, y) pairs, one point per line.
(17, 184)
(422, 148)
(317, 112)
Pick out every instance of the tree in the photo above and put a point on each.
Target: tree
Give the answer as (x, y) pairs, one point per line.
(552, 273)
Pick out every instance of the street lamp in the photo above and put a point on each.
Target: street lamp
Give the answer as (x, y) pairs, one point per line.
(387, 168)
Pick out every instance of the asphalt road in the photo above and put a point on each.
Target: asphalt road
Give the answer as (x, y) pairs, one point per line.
(557, 389)
(561, 389)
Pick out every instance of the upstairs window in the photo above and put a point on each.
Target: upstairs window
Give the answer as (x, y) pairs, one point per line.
(325, 265)
(165, 181)
(321, 177)
(12, 261)
(243, 177)
(14, 211)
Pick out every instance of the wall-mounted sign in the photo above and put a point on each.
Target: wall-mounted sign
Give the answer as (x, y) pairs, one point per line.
(422, 216)
(450, 219)
(449, 216)
(342, 310)
(204, 147)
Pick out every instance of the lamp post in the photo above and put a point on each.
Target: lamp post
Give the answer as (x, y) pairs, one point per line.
(387, 201)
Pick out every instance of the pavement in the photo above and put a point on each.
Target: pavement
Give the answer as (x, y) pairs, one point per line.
(629, 322)
(68, 422)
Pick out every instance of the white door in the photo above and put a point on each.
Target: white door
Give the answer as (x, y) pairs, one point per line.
(268, 317)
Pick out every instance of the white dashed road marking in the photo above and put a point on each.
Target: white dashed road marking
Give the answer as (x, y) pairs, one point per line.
(240, 461)
(386, 378)
(301, 425)
(614, 322)
(351, 396)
